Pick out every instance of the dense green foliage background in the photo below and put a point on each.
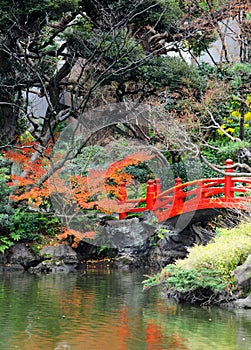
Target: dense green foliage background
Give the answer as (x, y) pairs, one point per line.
(79, 55)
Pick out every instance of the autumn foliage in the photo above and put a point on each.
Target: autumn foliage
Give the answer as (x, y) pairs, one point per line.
(24, 184)
(98, 190)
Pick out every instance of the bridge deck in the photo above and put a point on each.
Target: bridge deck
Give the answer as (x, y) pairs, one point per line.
(228, 192)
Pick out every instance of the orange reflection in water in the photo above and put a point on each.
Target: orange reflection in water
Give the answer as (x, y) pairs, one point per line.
(84, 321)
(123, 330)
(157, 339)
(153, 337)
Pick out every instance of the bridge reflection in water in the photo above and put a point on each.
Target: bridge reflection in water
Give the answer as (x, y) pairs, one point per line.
(108, 310)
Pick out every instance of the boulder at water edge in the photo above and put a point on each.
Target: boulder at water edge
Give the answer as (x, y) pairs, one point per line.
(56, 259)
(243, 275)
(244, 303)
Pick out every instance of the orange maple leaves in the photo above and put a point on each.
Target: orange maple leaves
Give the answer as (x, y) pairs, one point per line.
(24, 185)
(99, 189)
(77, 236)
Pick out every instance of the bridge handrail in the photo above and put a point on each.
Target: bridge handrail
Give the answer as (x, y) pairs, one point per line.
(196, 193)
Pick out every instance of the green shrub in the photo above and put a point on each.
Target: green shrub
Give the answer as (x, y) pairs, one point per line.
(5, 243)
(208, 267)
(190, 170)
(187, 280)
(32, 225)
(228, 250)
(5, 209)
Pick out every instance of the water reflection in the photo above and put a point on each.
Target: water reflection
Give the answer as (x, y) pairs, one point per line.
(108, 310)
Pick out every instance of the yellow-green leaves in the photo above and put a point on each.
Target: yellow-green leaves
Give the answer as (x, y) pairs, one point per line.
(224, 254)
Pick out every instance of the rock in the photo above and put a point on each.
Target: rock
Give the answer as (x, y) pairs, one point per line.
(18, 257)
(202, 235)
(21, 255)
(149, 222)
(131, 239)
(52, 266)
(243, 303)
(171, 247)
(60, 252)
(243, 275)
(131, 243)
(57, 259)
(127, 258)
(12, 268)
(119, 234)
(146, 243)
(87, 251)
(174, 245)
(4, 258)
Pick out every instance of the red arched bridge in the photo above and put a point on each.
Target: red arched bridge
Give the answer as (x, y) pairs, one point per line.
(228, 192)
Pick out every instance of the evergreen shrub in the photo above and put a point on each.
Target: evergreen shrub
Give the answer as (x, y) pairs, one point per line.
(208, 267)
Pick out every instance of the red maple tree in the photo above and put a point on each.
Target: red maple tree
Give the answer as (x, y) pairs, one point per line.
(99, 189)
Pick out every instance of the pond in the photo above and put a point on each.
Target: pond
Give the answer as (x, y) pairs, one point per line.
(108, 310)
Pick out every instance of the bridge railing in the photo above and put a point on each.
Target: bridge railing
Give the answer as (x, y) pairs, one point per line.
(189, 196)
(152, 190)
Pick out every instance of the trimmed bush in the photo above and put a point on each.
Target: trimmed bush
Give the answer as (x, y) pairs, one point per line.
(206, 275)
(229, 249)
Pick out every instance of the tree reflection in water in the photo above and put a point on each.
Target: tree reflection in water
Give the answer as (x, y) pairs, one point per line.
(107, 310)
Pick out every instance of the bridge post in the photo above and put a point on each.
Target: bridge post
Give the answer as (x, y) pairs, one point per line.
(228, 180)
(158, 187)
(122, 196)
(178, 200)
(150, 194)
(178, 181)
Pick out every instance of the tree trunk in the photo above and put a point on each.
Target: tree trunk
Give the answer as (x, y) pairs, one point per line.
(8, 121)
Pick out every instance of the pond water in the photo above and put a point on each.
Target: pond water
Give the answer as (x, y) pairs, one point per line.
(107, 310)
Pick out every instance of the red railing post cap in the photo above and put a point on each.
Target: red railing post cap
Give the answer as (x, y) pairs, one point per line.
(150, 182)
(229, 162)
(178, 180)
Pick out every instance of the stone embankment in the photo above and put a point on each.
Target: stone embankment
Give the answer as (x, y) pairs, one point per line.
(132, 243)
(243, 280)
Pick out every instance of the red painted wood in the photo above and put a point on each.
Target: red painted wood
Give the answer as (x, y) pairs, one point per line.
(226, 192)
(158, 187)
(122, 197)
(228, 185)
(150, 194)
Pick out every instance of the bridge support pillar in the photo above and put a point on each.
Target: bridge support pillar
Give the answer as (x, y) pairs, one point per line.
(228, 180)
(122, 196)
(150, 194)
(158, 187)
(178, 200)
